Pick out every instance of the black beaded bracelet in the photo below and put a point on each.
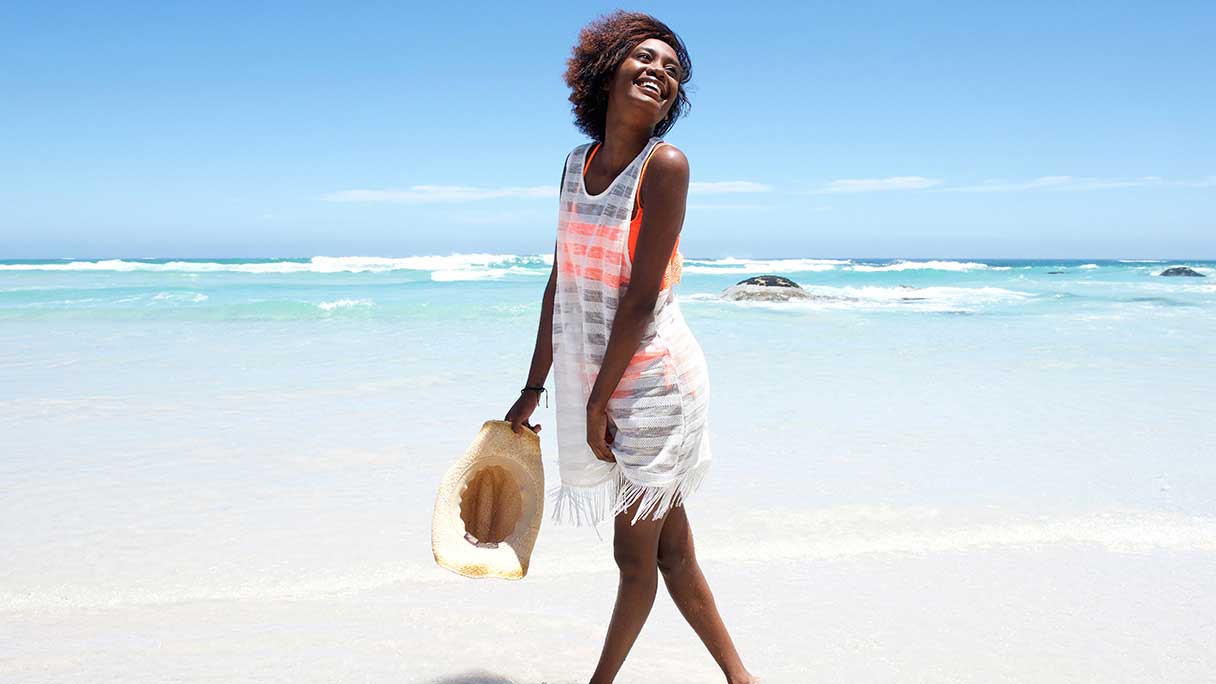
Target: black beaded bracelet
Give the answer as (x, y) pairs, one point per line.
(538, 388)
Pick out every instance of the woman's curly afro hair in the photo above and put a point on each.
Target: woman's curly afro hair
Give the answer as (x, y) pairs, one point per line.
(602, 46)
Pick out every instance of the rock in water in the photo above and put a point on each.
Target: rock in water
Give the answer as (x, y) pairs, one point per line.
(768, 281)
(765, 288)
(1181, 271)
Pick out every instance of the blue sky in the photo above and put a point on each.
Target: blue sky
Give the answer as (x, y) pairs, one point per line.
(817, 129)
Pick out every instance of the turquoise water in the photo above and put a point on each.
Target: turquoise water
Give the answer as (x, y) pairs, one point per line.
(434, 286)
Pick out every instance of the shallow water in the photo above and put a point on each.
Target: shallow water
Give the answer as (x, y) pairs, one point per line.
(939, 470)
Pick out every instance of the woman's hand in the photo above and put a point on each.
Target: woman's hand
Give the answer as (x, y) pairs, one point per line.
(522, 410)
(598, 436)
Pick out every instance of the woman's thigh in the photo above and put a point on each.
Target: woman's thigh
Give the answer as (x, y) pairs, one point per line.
(636, 543)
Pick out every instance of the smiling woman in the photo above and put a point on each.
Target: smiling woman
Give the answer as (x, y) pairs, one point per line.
(631, 381)
(603, 45)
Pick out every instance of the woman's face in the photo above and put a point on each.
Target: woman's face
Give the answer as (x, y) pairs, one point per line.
(646, 82)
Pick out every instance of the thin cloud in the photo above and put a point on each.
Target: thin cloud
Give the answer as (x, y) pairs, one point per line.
(1080, 183)
(426, 194)
(701, 206)
(435, 194)
(1209, 182)
(852, 185)
(722, 187)
(497, 218)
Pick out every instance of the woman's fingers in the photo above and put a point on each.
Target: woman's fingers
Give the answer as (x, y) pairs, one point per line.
(602, 452)
(598, 438)
(519, 414)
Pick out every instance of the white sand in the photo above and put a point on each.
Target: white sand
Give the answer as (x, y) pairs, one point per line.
(856, 595)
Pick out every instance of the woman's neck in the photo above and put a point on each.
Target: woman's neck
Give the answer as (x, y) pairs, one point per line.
(621, 145)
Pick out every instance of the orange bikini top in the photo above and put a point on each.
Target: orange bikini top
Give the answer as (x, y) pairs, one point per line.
(672, 275)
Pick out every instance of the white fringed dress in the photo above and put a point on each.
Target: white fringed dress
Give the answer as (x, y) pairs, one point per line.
(660, 407)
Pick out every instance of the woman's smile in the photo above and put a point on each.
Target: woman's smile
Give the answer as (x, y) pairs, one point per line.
(651, 86)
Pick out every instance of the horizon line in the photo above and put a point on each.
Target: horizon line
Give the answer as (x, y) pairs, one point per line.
(686, 257)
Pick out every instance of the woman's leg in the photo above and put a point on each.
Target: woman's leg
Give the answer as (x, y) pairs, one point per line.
(636, 550)
(678, 563)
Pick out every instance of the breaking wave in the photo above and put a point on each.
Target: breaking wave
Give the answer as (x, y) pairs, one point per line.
(736, 265)
(903, 265)
(317, 264)
(345, 304)
(937, 299)
(193, 297)
(478, 266)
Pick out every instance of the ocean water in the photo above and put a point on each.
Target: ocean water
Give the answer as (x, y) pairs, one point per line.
(938, 470)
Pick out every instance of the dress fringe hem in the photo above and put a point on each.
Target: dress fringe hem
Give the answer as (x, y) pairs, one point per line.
(593, 504)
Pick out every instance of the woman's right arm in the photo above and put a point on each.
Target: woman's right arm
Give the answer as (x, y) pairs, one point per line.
(542, 358)
(542, 353)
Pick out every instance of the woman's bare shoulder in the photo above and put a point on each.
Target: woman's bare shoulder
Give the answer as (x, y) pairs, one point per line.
(667, 171)
(669, 158)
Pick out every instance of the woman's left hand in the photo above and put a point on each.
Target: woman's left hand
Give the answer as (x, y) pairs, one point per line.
(598, 436)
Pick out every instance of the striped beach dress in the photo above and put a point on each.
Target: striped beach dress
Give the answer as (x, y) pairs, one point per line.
(660, 406)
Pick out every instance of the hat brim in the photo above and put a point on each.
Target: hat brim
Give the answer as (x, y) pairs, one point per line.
(518, 456)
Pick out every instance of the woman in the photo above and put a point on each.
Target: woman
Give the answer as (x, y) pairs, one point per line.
(632, 387)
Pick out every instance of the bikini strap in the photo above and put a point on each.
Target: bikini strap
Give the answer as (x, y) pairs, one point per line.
(587, 162)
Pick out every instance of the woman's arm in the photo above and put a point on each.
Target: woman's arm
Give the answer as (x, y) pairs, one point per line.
(542, 358)
(664, 193)
(542, 352)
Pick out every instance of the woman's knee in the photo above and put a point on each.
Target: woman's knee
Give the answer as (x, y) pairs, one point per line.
(675, 558)
(634, 560)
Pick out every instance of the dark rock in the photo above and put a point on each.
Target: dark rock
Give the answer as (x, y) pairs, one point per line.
(765, 288)
(768, 281)
(1182, 271)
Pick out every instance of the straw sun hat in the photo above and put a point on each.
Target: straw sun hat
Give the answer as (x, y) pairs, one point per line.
(490, 503)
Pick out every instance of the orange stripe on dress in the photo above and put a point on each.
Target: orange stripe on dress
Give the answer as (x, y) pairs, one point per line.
(590, 273)
(581, 228)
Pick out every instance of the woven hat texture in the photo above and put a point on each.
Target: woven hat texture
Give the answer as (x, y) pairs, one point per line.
(490, 505)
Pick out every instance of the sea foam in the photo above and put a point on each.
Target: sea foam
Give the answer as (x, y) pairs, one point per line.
(317, 264)
(345, 304)
(940, 299)
(194, 297)
(902, 265)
